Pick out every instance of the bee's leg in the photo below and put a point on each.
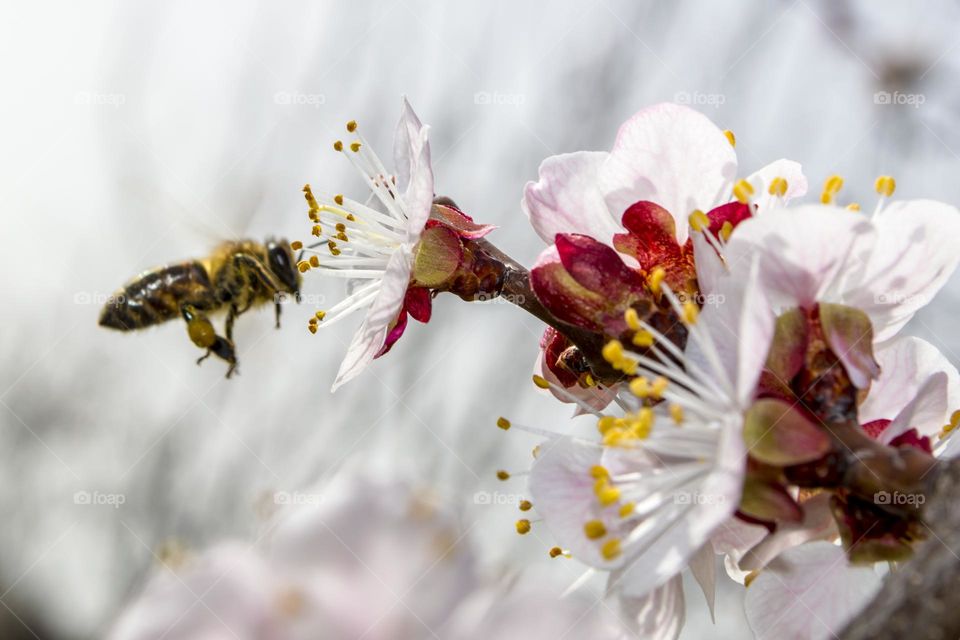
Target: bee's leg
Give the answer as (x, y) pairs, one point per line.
(202, 334)
(228, 325)
(276, 308)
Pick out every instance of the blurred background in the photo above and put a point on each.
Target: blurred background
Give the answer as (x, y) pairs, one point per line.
(134, 134)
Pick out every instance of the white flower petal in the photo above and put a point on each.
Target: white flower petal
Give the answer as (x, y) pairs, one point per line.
(406, 144)
(817, 523)
(372, 334)
(567, 198)
(790, 171)
(657, 615)
(673, 156)
(808, 593)
(703, 565)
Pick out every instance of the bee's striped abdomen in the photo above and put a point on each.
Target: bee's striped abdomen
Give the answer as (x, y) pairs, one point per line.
(156, 296)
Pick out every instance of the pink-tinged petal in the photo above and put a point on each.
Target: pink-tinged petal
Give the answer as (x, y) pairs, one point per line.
(658, 615)
(914, 254)
(596, 266)
(460, 222)
(905, 366)
(817, 524)
(710, 268)
(567, 198)
(552, 345)
(563, 296)
(790, 171)
(651, 237)
(741, 325)
(809, 592)
(418, 196)
(703, 565)
(924, 409)
(406, 144)
(849, 335)
(396, 331)
(732, 212)
(803, 252)
(372, 335)
(671, 155)
(733, 539)
(418, 304)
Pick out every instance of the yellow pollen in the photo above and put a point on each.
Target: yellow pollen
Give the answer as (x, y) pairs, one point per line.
(599, 471)
(594, 529)
(853, 206)
(338, 199)
(742, 190)
(656, 277)
(725, 230)
(312, 328)
(831, 187)
(556, 551)
(690, 312)
(320, 315)
(778, 187)
(303, 266)
(340, 226)
(626, 509)
(502, 475)
(317, 230)
(314, 261)
(525, 505)
(885, 186)
(352, 126)
(608, 495)
(604, 424)
(642, 338)
(503, 423)
(699, 220)
(732, 139)
(308, 194)
(351, 217)
(535, 452)
(640, 387)
(659, 386)
(610, 549)
(355, 147)
(588, 380)
(541, 382)
(612, 351)
(750, 577)
(676, 412)
(342, 237)
(632, 318)
(313, 215)
(338, 146)
(523, 527)
(296, 245)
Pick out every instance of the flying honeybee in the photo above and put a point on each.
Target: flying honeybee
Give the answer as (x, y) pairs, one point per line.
(235, 277)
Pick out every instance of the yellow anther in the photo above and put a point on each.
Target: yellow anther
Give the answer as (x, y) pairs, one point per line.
(632, 318)
(690, 312)
(885, 186)
(556, 551)
(342, 237)
(750, 577)
(725, 230)
(312, 320)
(742, 191)
(955, 418)
(338, 199)
(314, 261)
(699, 220)
(541, 382)
(317, 230)
(588, 380)
(608, 495)
(833, 184)
(853, 206)
(352, 126)
(320, 315)
(732, 139)
(676, 412)
(355, 146)
(594, 529)
(612, 352)
(312, 328)
(525, 505)
(351, 217)
(535, 452)
(338, 146)
(599, 471)
(502, 475)
(604, 424)
(610, 549)
(503, 423)
(340, 227)
(659, 386)
(656, 277)
(303, 266)
(642, 338)
(296, 245)
(313, 215)
(523, 527)
(640, 387)
(626, 509)
(308, 194)
(778, 187)
(614, 437)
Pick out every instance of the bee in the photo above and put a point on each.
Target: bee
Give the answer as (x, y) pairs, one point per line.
(236, 276)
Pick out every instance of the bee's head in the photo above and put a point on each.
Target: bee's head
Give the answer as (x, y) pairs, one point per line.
(283, 265)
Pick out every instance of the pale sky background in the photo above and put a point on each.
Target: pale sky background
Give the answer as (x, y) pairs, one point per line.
(133, 134)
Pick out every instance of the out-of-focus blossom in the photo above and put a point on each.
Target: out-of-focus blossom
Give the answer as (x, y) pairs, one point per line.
(383, 249)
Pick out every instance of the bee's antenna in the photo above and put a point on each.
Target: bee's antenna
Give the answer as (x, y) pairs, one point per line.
(309, 246)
